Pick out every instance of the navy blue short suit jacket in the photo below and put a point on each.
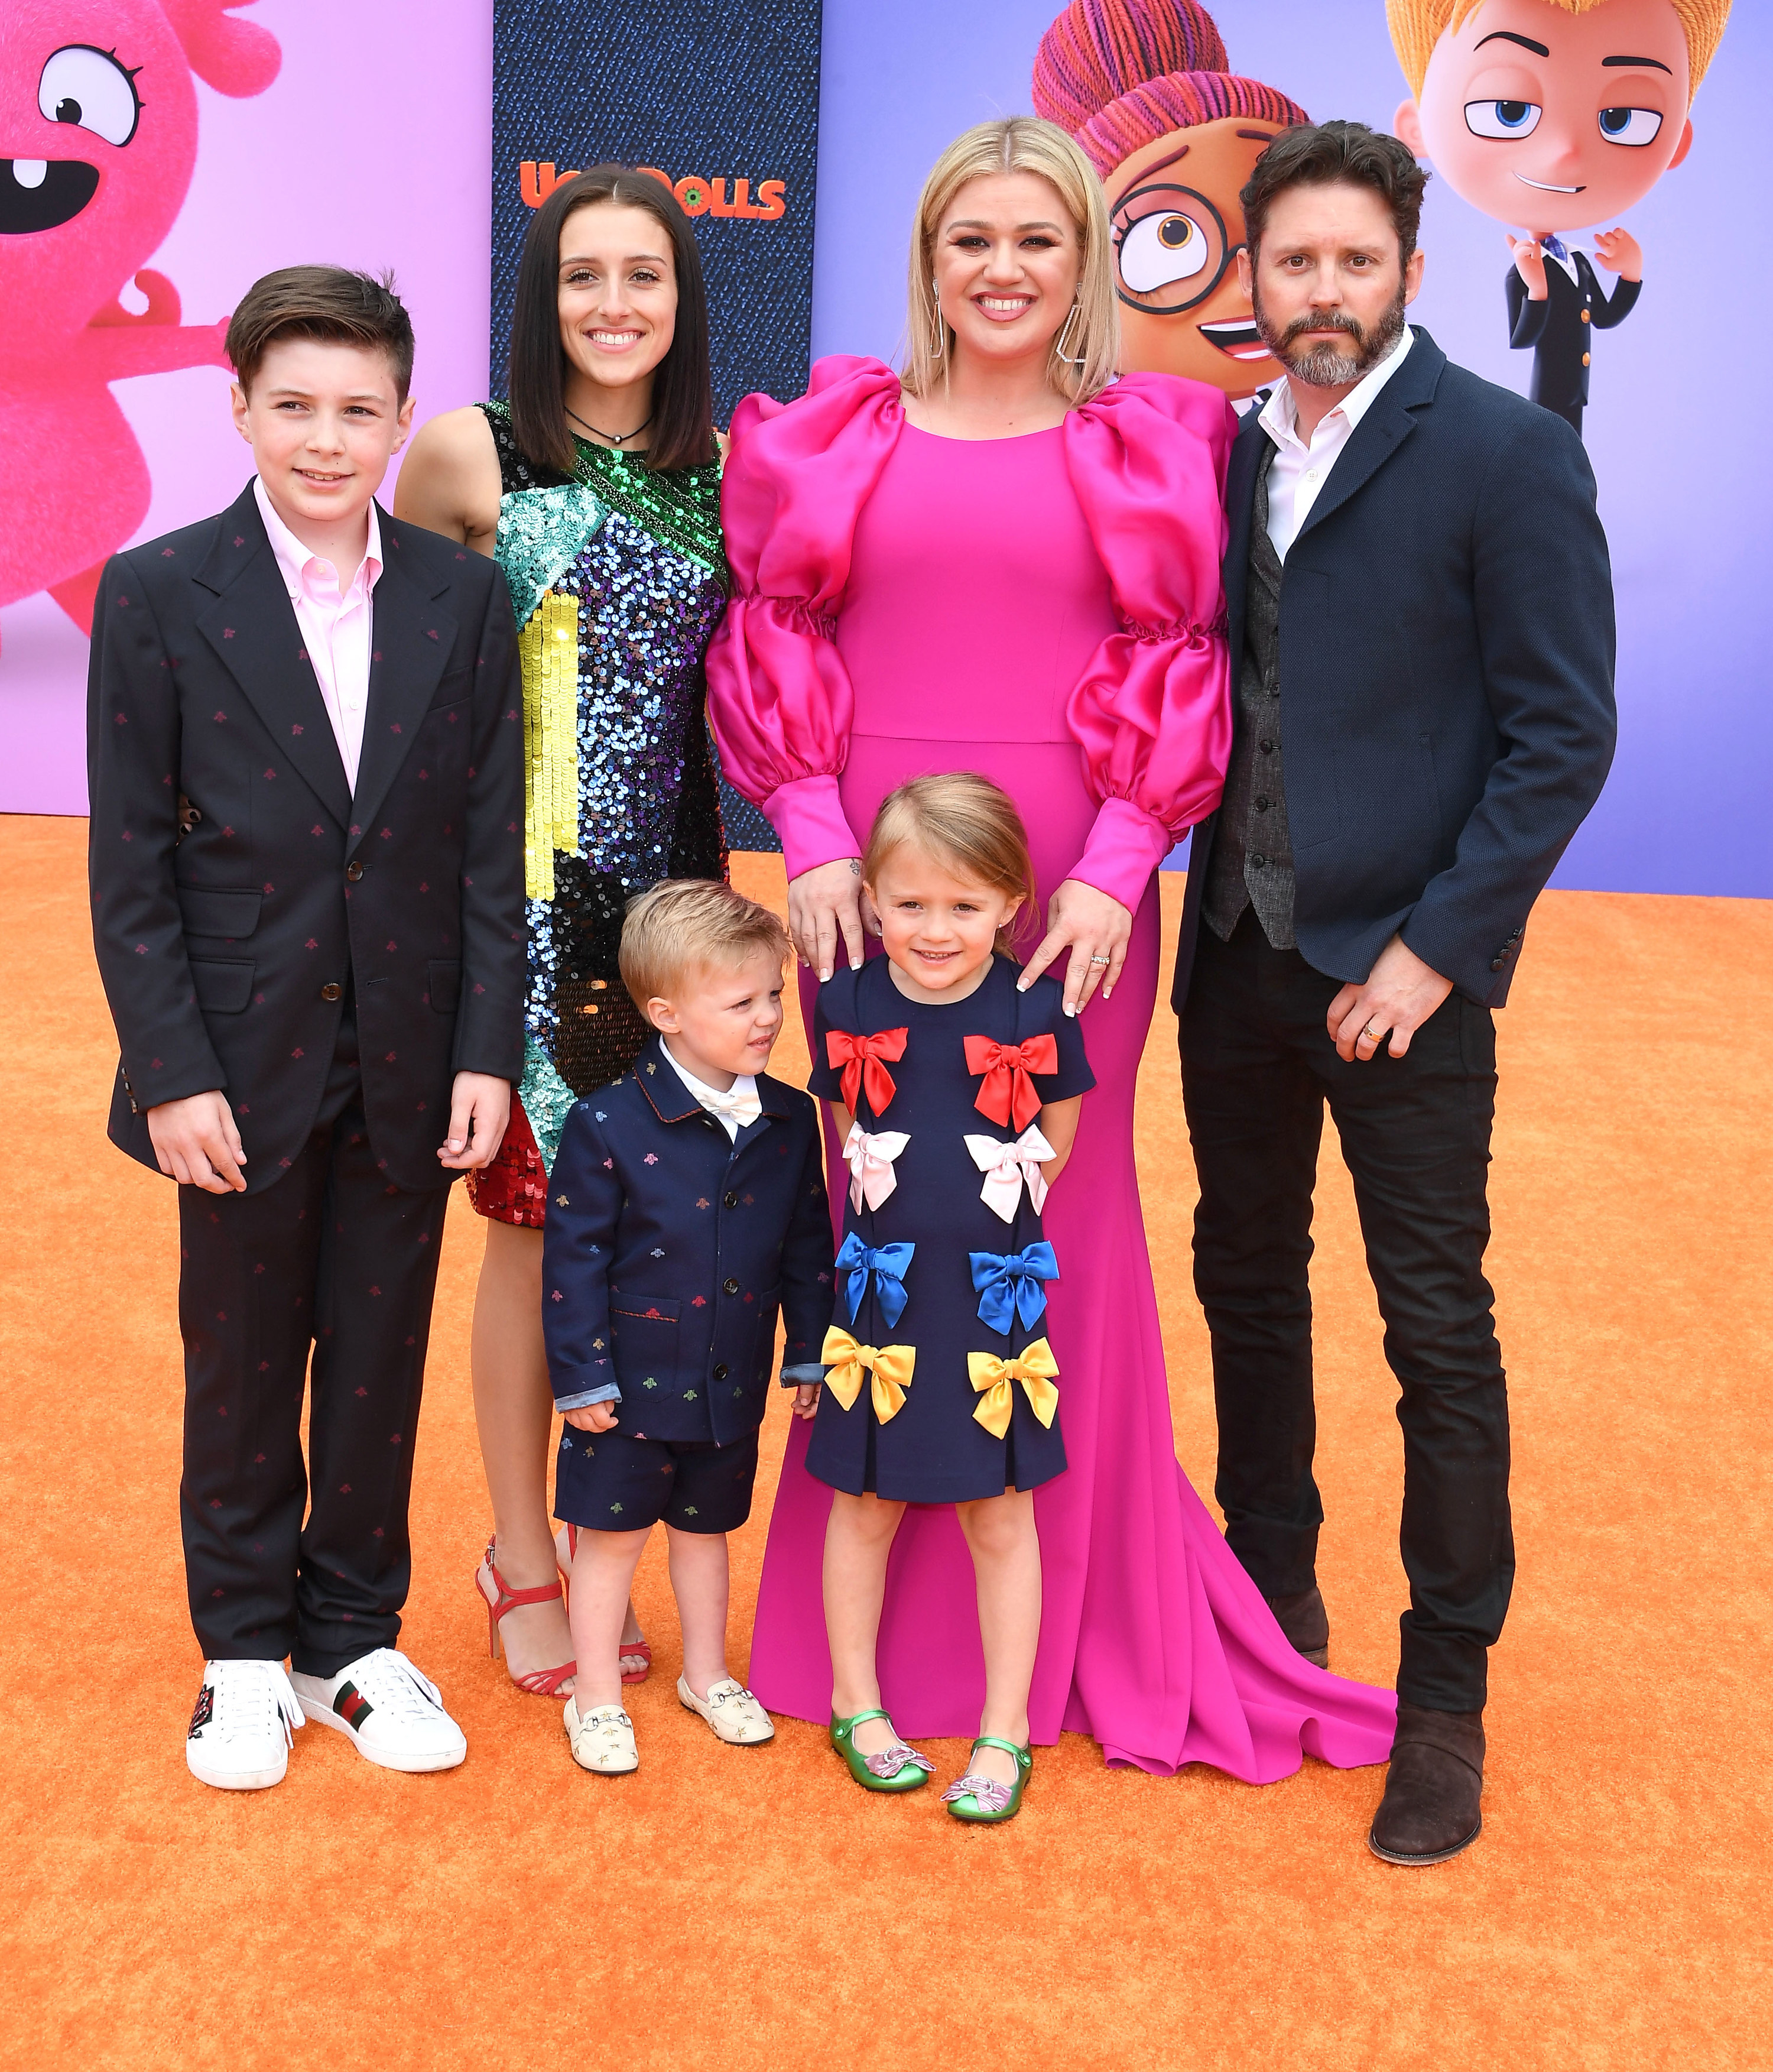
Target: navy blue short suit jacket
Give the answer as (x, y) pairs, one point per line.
(1447, 648)
(669, 1249)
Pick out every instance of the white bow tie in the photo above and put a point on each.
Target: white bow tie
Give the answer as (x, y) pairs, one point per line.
(1007, 1165)
(870, 1159)
(741, 1105)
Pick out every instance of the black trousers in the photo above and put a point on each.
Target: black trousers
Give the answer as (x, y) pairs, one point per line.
(332, 1256)
(1257, 1066)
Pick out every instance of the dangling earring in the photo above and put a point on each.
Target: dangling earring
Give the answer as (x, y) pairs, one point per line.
(1064, 339)
(940, 345)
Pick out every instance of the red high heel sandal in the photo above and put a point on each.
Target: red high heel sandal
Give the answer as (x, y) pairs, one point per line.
(542, 1683)
(628, 1647)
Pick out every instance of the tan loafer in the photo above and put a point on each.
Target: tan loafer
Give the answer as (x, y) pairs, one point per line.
(603, 1740)
(731, 1710)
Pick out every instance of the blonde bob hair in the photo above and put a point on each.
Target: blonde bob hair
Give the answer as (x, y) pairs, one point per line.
(1020, 144)
(1417, 25)
(688, 926)
(966, 823)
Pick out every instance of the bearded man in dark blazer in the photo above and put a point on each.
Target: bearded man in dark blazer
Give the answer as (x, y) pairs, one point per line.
(1421, 619)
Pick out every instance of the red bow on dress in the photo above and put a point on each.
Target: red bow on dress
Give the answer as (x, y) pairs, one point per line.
(863, 1072)
(1009, 1093)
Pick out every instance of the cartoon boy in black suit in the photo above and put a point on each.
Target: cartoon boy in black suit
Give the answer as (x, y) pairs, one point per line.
(1556, 115)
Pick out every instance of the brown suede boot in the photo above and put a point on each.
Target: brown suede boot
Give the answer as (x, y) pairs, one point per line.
(1305, 1622)
(1430, 1810)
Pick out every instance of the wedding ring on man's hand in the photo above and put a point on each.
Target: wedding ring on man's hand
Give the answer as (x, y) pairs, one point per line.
(1373, 1035)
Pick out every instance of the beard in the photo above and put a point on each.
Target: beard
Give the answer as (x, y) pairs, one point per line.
(1322, 365)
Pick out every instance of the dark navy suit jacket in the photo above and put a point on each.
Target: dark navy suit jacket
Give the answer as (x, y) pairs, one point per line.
(229, 934)
(669, 1249)
(1446, 676)
(1561, 329)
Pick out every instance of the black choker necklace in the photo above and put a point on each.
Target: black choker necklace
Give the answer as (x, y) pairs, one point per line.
(617, 439)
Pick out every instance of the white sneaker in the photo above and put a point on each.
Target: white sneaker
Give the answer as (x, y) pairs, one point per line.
(731, 1710)
(242, 1728)
(392, 1713)
(603, 1740)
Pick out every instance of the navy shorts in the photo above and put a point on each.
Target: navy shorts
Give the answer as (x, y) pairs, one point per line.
(605, 1482)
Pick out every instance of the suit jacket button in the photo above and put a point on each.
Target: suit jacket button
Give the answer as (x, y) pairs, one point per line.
(730, 1201)
(731, 1286)
(353, 871)
(332, 990)
(1584, 359)
(1497, 963)
(1585, 316)
(720, 1371)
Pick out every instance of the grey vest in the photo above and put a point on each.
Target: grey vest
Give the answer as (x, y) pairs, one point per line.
(1252, 864)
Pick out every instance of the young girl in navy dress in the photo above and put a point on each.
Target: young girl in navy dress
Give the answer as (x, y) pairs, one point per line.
(956, 1092)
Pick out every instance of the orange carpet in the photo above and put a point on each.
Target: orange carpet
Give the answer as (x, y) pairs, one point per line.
(752, 1909)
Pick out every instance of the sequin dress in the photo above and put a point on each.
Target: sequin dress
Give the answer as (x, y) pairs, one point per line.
(618, 580)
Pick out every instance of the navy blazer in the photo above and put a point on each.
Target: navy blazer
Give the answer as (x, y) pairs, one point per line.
(1446, 676)
(238, 885)
(669, 1248)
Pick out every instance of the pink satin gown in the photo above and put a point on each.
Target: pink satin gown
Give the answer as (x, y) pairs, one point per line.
(1040, 610)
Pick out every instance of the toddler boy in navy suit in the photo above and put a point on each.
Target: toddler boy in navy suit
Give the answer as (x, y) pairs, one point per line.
(687, 1207)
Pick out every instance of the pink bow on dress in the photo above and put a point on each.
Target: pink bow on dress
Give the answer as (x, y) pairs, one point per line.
(869, 1158)
(1007, 1165)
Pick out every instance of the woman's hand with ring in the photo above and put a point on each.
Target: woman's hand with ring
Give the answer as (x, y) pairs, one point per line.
(1095, 929)
(823, 904)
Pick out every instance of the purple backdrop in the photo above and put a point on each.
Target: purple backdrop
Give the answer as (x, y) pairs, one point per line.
(1684, 810)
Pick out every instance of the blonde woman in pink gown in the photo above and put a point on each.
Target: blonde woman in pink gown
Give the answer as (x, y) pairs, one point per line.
(1006, 561)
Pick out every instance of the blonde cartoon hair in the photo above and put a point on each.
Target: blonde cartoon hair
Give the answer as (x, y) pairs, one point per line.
(1020, 144)
(1417, 25)
(966, 822)
(689, 925)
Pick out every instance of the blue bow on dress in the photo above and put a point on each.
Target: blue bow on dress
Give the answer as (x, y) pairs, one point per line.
(887, 1264)
(1008, 1285)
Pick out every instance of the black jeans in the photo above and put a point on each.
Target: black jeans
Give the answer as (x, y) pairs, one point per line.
(334, 1257)
(1257, 1066)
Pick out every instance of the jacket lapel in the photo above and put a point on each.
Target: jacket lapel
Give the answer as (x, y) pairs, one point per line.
(252, 626)
(1387, 424)
(1246, 454)
(412, 634)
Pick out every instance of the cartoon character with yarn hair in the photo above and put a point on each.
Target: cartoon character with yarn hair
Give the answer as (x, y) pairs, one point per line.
(1146, 87)
(1555, 115)
(98, 136)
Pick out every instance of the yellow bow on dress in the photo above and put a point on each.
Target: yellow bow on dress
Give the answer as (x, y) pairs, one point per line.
(1034, 1366)
(888, 1368)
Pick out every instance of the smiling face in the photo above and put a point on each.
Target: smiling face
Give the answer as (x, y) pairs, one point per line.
(1007, 260)
(1178, 227)
(1550, 120)
(722, 1020)
(617, 296)
(98, 135)
(938, 931)
(323, 421)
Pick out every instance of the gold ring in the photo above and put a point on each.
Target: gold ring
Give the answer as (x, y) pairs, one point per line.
(1372, 1034)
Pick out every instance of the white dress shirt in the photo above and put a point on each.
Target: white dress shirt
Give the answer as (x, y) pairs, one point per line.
(730, 1109)
(334, 623)
(1299, 470)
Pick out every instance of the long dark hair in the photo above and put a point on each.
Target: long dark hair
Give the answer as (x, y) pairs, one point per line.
(682, 430)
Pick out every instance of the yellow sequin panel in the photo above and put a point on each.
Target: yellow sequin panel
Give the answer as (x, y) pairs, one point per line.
(549, 649)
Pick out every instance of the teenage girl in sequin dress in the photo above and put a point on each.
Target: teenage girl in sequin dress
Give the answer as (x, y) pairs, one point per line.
(597, 488)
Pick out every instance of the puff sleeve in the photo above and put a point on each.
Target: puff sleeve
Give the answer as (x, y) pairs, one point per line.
(778, 695)
(1152, 711)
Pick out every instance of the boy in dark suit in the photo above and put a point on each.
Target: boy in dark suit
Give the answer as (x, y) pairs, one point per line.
(687, 1205)
(304, 754)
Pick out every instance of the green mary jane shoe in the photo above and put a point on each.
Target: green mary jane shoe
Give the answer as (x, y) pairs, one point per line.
(895, 1768)
(981, 1799)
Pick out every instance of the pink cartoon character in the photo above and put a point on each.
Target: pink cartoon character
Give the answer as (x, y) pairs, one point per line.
(98, 136)
(1554, 115)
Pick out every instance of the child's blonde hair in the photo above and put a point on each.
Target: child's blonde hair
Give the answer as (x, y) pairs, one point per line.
(686, 925)
(967, 822)
(1417, 25)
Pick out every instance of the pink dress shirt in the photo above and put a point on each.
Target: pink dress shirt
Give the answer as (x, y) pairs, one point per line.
(336, 624)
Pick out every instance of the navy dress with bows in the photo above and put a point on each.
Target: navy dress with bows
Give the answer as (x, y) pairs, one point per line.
(930, 1262)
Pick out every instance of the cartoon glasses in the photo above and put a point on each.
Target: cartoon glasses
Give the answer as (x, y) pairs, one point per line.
(1171, 248)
